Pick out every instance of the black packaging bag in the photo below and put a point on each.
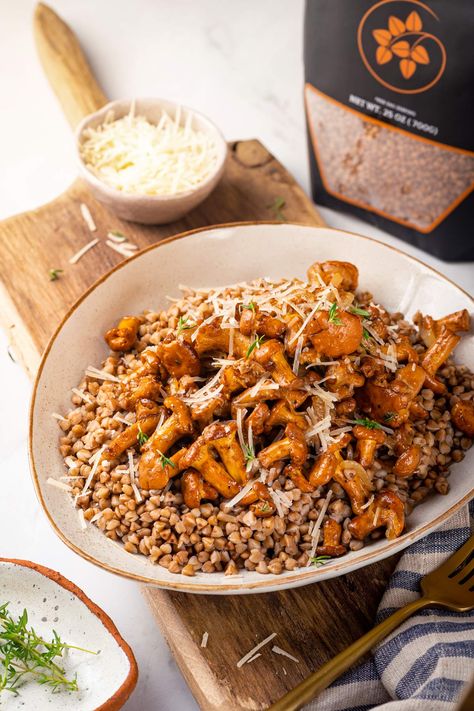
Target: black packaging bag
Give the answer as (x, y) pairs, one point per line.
(389, 99)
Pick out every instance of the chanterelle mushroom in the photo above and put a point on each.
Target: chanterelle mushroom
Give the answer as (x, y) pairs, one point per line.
(194, 489)
(381, 398)
(124, 335)
(199, 456)
(282, 413)
(437, 354)
(179, 358)
(176, 426)
(148, 415)
(339, 335)
(332, 531)
(342, 275)
(387, 510)
(368, 440)
(293, 445)
(271, 354)
(223, 437)
(462, 413)
(159, 470)
(356, 482)
(327, 462)
(252, 320)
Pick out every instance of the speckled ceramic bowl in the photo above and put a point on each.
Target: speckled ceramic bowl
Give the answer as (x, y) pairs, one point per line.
(105, 680)
(151, 209)
(211, 257)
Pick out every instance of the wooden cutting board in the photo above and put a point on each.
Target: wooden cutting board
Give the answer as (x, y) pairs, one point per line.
(312, 623)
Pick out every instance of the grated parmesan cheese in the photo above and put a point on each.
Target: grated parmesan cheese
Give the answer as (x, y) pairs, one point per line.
(299, 348)
(279, 650)
(121, 249)
(255, 649)
(255, 656)
(100, 374)
(58, 484)
(74, 259)
(367, 504)
(88, 219)
(82, 520)
(131, 472)
(317, 526)
(93, 470)
(135, 156)
(245, 490)
(82, 395)
(376, 517)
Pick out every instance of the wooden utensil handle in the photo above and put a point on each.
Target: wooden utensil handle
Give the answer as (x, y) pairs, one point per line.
(66, 66)
(325, 675)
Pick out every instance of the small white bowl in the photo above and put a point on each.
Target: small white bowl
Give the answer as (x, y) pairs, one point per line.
(151, 209)
(105, 680)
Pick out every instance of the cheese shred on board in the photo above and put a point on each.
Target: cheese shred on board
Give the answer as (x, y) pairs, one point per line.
(135, 156)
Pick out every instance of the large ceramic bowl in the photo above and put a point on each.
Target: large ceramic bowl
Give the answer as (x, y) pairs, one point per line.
(105, 679)
(210, 257)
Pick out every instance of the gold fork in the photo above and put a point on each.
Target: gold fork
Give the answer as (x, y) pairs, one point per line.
(450, 586)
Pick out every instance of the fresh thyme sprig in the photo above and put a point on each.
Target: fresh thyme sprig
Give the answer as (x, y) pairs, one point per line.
(166, 461)
(25, 655)
(142, 437)
(320, 560)
(255, 344)
(250, 306)
(388, 417)
(277, 208)
(370, 424)
(249, 454)
(360, 312)
(333, 317)
(54, 274)
(183, 324)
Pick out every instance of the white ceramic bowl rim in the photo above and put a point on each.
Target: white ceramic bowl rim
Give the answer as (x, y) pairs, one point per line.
(300, 577)
(123, 692)
(170, 106)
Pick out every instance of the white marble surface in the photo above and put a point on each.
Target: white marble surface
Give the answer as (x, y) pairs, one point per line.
(238, 62)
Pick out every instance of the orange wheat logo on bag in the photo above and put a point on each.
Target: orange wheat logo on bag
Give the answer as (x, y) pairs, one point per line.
(402, 51)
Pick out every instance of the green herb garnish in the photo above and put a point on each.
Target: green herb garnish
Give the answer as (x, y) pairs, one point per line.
(249, 453)
(54, 274)
(277, 206)
(320, 560)
(360, 312)
(366, 335)
(388, 417)
(166, 461)
(250, 306)
(333, 317)
(141, 437)
(265, 506)
(183, 325)
(25, 655)
(370, 424)
(255, 344)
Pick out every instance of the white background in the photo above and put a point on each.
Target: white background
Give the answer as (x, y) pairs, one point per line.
(240, 63)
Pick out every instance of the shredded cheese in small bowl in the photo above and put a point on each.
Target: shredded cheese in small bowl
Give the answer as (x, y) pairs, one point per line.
(150, 160)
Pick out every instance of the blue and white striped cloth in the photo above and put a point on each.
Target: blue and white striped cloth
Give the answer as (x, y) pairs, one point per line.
(426, 664)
